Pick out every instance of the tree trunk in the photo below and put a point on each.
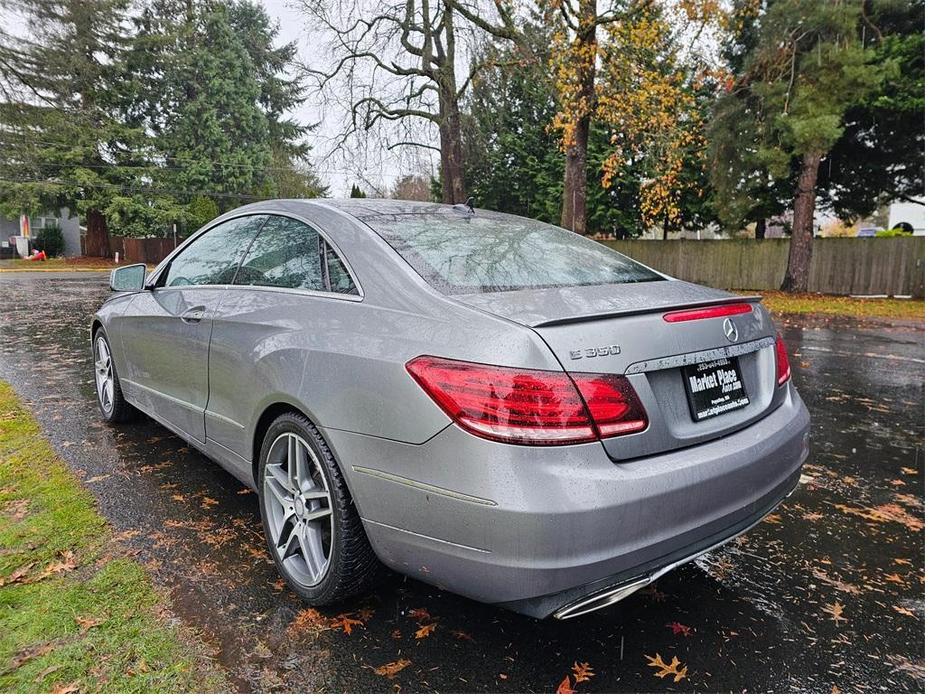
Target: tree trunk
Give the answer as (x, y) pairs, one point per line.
(97, 242)
(575, 188)
(451, 154)
(761, 226)
(801, 240)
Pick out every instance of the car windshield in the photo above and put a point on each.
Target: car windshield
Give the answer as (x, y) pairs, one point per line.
(467, 254)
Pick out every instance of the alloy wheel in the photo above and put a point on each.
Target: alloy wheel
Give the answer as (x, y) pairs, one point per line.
(104, 375)
(298, 509)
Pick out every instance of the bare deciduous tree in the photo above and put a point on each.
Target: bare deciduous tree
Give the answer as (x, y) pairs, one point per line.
(400, 69)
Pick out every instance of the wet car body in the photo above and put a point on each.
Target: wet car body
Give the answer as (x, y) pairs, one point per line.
(543, 529)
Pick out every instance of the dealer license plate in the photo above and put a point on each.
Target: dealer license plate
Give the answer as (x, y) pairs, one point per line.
(714, 388)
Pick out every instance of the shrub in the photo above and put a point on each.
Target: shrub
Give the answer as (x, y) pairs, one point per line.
(50, 240)
(890, 233)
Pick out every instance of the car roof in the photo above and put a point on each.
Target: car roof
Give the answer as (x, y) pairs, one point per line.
(370, 207)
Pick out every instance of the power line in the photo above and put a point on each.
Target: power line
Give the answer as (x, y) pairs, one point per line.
(137, 189)
(188, 162)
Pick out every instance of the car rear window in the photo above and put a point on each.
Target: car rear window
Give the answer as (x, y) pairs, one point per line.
(459, 253)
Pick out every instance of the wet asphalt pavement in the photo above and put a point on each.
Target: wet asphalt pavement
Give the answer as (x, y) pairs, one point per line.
(826, 593)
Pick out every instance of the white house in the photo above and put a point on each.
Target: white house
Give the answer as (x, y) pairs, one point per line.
(70, 228)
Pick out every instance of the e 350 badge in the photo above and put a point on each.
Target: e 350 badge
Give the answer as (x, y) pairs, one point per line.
(591, 352)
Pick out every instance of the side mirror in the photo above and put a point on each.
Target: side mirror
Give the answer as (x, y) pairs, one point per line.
(130, 278)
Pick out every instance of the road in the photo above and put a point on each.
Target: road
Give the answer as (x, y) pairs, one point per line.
(827, 592)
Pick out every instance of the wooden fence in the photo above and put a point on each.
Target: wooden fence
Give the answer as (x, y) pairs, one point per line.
(132, 250)
(893, 266)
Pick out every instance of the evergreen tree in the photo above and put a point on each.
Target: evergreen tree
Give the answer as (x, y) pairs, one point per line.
(61, 145)
(804, 67)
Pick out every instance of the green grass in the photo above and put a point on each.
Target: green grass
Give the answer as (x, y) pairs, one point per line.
(80, 611)
(824, 304)
(57, 264)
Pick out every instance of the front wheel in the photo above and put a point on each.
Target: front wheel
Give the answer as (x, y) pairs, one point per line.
(112, 405)
(312, 528)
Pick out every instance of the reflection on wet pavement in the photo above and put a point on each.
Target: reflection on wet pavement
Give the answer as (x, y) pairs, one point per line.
(827, 591)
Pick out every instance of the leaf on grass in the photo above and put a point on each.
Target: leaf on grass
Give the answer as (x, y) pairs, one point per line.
(87, 623)
(665, 669)
(582, 672)
(18, 575)
(391, 669)
(678, 628)
(565, 686)
(345, 622)
(68, 563)
(835, 610)
(27, 654)
(65, 688)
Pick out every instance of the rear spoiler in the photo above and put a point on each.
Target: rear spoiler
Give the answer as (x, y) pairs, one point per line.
(754, 299)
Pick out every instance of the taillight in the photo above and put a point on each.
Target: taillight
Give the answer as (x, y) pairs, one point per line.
(530, 406)
(706, 312)
(783, 362)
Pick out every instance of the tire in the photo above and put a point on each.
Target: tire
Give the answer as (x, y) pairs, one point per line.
(346, 565)
(109, 396)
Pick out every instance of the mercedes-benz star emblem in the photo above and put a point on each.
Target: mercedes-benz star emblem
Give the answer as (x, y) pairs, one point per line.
(730, 330)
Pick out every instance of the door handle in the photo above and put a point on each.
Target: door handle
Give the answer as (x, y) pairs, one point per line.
(193, 315)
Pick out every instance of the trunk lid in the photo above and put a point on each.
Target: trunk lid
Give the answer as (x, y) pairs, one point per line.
(620, 329)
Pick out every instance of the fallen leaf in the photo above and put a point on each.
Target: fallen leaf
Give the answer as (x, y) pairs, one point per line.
(18, 575)
(895, 578)
(565, 686)
(87, 623)
(773, 518)
(904, 610)
(97, 478)
(582, 672)
(665, 669)
(396, 633)
(308, 619)
(462, 636)
(678, 628)
(27, 654)
(835, 610)
(909, 471)
(208, 502)
(391, 669)
(420, 614)
(883, 514)
(65, 688)
(345, 622)
(425, 630)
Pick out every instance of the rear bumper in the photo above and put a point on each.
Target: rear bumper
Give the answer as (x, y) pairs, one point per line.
(537, 529)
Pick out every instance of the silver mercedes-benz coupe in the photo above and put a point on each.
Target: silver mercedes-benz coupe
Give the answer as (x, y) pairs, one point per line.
(493, 405)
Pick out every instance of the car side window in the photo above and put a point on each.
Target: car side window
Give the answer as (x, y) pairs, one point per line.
(340, 280)
(213, 258)
(290, 254)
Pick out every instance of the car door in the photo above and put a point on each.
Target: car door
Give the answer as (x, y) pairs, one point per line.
(275, 317)
(166, 330)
